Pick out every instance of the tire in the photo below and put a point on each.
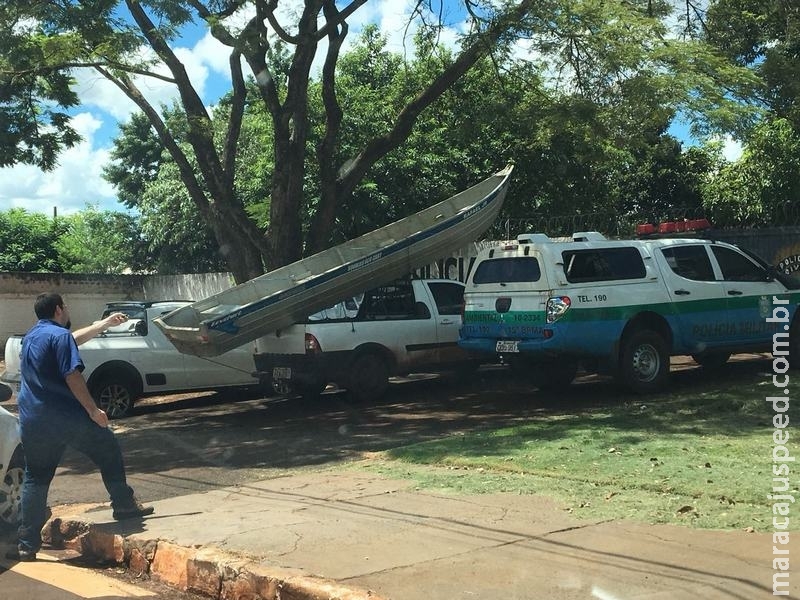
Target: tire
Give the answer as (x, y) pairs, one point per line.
(711, 360)
(114, 396)
(11, 491)
(644, 362)
(369, 377)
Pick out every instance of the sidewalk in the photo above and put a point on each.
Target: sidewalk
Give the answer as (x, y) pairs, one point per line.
(357, 536)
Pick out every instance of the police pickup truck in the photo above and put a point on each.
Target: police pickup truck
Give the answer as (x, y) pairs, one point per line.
(625, 306)
(135, 359)
(402, 327)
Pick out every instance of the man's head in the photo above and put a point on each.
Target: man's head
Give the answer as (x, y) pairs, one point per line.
(51, 306)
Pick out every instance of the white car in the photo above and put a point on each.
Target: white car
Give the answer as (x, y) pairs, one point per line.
(135, 359)
(12, 468)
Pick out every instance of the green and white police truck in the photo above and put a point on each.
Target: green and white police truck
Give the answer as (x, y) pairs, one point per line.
(624, 306)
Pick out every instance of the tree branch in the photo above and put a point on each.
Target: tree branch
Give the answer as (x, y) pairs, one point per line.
(378, 147)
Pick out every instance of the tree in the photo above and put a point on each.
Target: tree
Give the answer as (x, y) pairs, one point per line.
(28, 241)
(763, 35)
(595, 51)
(107, 36)
(98, 242)
(762, 188)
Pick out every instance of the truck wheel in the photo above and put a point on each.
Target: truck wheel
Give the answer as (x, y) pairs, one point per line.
(369, 377)
(644, 362)
(114, 396)
(11, 490)
(711, 360)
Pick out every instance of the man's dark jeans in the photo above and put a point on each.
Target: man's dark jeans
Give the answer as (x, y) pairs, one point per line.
(44, 442)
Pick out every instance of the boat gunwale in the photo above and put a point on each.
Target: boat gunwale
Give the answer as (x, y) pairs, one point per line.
(223, 323)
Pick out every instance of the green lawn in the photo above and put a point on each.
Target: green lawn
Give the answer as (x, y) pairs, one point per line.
(700, 457)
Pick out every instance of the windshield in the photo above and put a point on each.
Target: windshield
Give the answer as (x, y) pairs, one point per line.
(792, 281)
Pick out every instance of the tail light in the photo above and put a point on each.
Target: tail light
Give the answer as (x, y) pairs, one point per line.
(312, 345)
(557, 307)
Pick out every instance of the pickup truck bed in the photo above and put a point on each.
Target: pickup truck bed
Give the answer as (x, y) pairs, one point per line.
(403, 327)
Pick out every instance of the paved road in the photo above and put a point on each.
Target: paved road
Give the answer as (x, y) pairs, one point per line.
(177, 445)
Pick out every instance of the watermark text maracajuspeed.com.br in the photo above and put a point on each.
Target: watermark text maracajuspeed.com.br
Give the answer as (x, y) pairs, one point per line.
(782, 496)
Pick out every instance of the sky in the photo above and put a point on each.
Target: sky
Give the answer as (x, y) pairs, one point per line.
(77, 180)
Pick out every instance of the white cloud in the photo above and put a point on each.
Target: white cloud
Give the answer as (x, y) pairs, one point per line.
(76, 181)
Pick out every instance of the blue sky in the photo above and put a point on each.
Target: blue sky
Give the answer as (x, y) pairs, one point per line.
(77, 181)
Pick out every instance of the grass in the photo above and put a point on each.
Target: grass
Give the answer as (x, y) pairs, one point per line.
(700, 457)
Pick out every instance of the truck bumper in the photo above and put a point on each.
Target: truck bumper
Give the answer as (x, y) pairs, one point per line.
(300, 369)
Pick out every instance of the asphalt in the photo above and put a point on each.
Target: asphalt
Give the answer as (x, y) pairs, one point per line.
(356, 536)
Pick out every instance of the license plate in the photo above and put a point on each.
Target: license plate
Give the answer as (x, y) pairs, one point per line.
(507, 346)
(282, 373)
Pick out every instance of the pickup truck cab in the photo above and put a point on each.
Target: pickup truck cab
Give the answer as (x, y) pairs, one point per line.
(402, 327)
(624, 306)
(135, 359)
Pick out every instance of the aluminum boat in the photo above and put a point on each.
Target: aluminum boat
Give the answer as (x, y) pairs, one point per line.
(277, 299)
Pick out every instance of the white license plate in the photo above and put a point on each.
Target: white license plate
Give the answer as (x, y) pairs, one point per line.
(507, 346)
(282, 373)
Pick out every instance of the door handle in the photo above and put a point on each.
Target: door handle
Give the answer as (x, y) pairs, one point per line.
(682, 292)
(446, 322)
(734, 293)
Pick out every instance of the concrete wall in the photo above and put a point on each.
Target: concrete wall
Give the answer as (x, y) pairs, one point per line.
(86, 295)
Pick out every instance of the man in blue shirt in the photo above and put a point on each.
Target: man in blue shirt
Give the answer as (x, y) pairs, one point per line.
(56, 410)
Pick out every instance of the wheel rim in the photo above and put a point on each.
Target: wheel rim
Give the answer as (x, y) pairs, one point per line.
(11, 495)
(646, 363)
(115, 400)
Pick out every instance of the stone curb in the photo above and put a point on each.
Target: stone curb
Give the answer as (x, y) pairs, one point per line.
(205, 571)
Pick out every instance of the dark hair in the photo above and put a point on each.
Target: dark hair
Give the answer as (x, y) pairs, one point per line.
(45, 305)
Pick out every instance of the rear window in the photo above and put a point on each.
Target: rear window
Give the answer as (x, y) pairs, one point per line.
(519, 269)
(449, 297)
(603, 264)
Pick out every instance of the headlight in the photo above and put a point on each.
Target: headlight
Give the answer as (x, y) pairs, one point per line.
(557, 307)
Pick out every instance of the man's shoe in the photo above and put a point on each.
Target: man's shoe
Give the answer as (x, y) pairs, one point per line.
(21, 555)
(132, 510)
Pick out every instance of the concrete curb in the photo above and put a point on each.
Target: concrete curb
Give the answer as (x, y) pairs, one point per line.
(206, 571)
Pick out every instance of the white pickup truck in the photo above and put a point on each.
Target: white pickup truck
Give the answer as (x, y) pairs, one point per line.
(135, 359)
(402, 327)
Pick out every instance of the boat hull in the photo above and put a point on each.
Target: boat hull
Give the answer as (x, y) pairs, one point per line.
(287, 295)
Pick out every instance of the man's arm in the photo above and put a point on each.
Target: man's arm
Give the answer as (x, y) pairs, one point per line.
(84, 334)
(77, 385)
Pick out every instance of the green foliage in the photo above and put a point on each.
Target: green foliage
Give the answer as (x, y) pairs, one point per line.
(28, 241)
(34, 98)
(98, 242)
(136, 156)
(179, 241)
(764, 36)
(762, 188)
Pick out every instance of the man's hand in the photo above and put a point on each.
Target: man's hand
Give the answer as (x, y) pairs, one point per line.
(114, 319)
(99, 417)
(84, 334)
